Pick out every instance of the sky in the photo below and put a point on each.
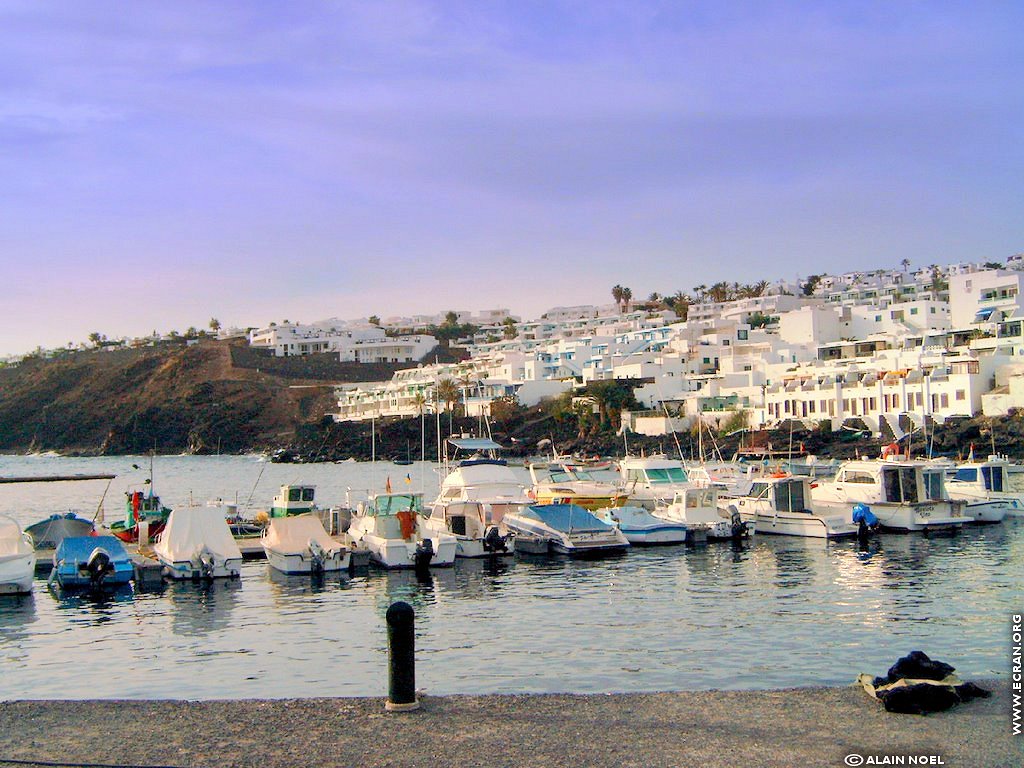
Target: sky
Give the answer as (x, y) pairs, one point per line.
(165, 163)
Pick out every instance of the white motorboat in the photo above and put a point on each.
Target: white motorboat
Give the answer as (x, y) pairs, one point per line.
(388, 526)
(299, 544)
(563, 528)
(561, 482)
(640, 526)
(781, 504)
(697, 510)
(984, 488)
(17, 558)
(904, 494)
(476, 494)
(197, 544)
(652, 481)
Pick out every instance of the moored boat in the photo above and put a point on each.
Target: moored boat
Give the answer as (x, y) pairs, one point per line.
(983, 487)
(563, 528)
(642, 527)
(782, 504)
(94, 562)
(197, 544)
(697, 509)
(652, 481)
(560, 482)
(143, 509)
(17, 558)
(49, 533)
(388, 526)
(299, 544)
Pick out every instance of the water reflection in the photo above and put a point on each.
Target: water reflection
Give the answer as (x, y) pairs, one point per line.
(199, 608)
(17, 614)
(92, 606)
(285, 586)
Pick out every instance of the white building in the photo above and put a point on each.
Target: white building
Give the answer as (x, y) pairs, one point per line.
(986, 296)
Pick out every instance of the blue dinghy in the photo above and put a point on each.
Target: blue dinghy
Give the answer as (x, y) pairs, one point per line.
(91, 561)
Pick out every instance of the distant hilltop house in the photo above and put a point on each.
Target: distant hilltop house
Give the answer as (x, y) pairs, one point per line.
(367, 344)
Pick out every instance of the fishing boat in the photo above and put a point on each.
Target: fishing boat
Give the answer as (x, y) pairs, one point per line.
(197, 544)
(697, 510)
(560, 482)
(905, 494)
(95, 562)
(299, 544)
(782, 504)
(642, 527)
(388, 526)
(17, 558)
(294, 500)
(49, 533)
(983, 486)
(652, 481)
(143, 509)
(477, 492)
(563, 528)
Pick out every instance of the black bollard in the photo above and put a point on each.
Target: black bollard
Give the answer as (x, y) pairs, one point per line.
(401, 659)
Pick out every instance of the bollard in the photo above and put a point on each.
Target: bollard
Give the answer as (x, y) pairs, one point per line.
(401, 659)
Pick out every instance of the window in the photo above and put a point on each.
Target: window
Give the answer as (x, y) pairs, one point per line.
(961, 395)
(944, 399)
(993, 478)
(913, 310)
(789, 496)
(933, 486)
(965, 475)
(878, 318)
(307, 494)
(858, 476)
(742, 335)
(294, 494)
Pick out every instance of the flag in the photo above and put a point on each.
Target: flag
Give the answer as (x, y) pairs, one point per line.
(408, 480)
(387, 485)
(970, 456)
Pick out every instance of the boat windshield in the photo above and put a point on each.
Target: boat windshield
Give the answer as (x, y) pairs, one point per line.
(789, 496)
(394, 503)
(993, 478)
(568, 476)
(900, 485)
(666, 475)
(967, 475)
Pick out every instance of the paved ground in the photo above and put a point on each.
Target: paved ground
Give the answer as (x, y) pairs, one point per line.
(710, 729)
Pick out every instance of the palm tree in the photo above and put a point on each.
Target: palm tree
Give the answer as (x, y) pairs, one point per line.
(627, 296)
(511, 331)
(214, 324)
(906, 264)
(617, 295)
(698, 291)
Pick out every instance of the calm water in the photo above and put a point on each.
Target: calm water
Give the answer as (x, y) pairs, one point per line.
(778, 612)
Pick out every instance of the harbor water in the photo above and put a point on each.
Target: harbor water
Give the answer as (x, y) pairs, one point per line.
(774, 612)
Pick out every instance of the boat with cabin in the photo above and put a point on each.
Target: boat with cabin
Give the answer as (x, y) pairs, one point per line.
(388, 525)
(652, 481)
(300, 544)
(197, 544)
(17, 558)
(476, 494)
(904, 494)
(563, 528)
(141, 508)
(94, 562)
(561, 482)
(782, 504)
(697, 510)
(984, 488)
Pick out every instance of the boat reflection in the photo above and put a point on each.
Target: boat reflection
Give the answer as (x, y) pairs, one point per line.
(199, 608)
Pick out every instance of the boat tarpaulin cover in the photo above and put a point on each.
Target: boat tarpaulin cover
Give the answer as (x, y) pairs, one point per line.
(293, 534)
(189, 529)
(474, 444)
(76, 549)
(567, 518)
(12, 542)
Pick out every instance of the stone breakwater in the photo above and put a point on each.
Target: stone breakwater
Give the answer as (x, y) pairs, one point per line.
(712, 729)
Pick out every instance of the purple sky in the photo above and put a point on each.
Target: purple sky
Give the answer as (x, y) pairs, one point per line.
(162, 163)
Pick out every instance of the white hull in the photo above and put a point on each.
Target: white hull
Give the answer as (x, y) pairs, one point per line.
(908, 518)
(798, 524)
(990, 511)
(466, 547)
(16, 574)
(536, 537)
(401, 553)
(302, 562)
(221, 569)
(664, 534)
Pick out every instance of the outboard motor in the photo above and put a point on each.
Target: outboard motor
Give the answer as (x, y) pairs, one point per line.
(424, 554)
(494, 541)
(99, 566)
(866, 521)
(316, 557)
(206, 564)
(738, 527)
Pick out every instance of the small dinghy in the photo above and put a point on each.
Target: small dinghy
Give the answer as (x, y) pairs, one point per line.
(17, 558)
(95, 562)
(564, 528)
(300, 544)
(197, 544)
(49, 533)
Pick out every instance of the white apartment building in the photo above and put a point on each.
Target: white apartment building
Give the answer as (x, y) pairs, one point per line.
(986, 296)
(366, 344)
(741, 310)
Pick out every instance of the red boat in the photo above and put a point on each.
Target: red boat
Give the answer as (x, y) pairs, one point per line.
(139, 507)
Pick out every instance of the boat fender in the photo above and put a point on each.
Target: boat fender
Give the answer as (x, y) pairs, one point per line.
(424, 554)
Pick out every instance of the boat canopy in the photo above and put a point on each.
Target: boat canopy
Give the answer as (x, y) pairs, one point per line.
(294, 534)
(475, 444)
(77, 549)
(12, 541)
(567, 518)
(190, 529)
(393, 503)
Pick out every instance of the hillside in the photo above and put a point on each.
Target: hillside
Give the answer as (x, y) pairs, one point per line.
(212, 396)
